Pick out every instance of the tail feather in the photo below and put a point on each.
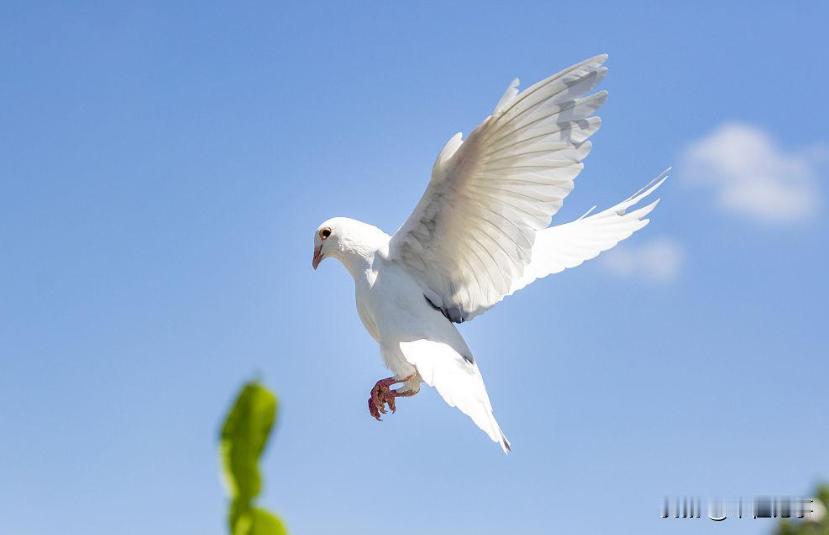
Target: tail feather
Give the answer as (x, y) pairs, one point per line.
(458, 381)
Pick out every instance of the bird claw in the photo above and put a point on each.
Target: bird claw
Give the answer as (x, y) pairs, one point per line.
(382, 395)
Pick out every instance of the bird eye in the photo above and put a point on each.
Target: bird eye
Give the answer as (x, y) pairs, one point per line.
(324, 233)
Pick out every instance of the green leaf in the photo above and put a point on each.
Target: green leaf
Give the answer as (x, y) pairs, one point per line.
(243, 439)
(803, 527)
(258, 522)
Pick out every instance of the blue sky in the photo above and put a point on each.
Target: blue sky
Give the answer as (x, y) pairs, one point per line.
(164, 167)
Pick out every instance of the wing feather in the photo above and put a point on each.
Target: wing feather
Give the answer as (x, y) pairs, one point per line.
(472, 237)
(472, 233)
(569, 245)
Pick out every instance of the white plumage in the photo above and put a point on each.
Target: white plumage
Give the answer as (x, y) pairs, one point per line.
(479, 233)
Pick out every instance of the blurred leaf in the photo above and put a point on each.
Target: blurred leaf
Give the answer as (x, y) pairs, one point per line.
(818, 526)
(243, 439)
(258, 522)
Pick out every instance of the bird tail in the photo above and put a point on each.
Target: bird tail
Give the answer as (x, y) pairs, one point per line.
(502, 439)
(458, 381)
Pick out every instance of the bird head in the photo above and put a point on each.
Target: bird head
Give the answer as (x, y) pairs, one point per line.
(346, 239)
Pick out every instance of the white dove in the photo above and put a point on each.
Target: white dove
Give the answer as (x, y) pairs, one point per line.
(479, 234)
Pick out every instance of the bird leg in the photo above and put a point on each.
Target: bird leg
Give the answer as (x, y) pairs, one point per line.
(382, 394)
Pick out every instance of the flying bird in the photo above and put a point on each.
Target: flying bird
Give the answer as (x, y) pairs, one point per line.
(480, 233)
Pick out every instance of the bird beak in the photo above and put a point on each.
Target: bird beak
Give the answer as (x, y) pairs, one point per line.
(317, 257)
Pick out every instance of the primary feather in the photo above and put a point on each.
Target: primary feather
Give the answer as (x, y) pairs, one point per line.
(472, 233)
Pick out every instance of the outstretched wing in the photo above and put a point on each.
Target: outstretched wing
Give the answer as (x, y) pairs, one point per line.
(569, 245)
(472, 233)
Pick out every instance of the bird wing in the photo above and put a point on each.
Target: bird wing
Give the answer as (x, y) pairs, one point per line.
(472, 233)
(569, 245)
(457, 380)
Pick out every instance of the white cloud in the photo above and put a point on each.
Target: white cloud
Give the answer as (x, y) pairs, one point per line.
(659, 260)
(752, 176)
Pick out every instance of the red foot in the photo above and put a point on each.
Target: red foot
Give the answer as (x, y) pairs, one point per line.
(382, 394)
